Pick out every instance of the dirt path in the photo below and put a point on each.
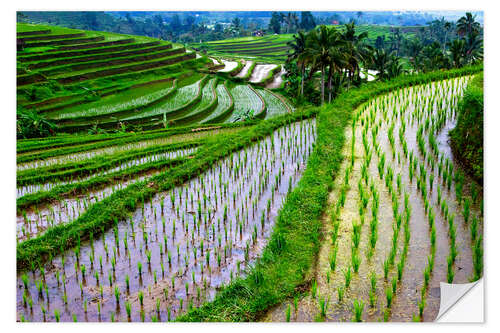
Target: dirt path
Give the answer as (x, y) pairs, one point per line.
(260, 72)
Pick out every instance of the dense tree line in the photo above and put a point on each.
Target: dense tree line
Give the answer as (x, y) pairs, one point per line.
(326, 60)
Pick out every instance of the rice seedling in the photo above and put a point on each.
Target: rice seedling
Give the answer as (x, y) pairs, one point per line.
(473, 228)
(389, 296)
(347, 277)
(333, 259)
(386, 269)
(288, 311)
(128, 309)
(477, 258)
(340, 293)
(140, 296)
(356, 261)
(466, 210)
(358, 307)
(421, 307)
(314, 288)
(323, 305)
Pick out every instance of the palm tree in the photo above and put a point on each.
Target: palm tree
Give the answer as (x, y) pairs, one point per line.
(380, 63)
(337, 62)
(447, 28)
(457, 51)
(298, 46)
(433, 57)
(467, 25)
(414, 48)
(473, 48)
(396, 40)
(395, 67)
(318, 51)
(356, 50)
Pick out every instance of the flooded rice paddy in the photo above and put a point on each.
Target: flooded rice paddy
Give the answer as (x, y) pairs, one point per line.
(403, 216)
(175, 251)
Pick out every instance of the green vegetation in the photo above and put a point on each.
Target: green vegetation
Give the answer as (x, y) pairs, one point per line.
(156, 183)
(284, 268)
(467, 136)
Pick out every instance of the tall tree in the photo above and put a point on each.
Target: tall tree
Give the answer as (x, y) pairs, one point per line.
(467, 25)
(275, 23)
(318, 50)
(457, 51)
(356, 49)
(298, 46)
(307, 21)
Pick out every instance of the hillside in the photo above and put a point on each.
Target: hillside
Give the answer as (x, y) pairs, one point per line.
(89, 80)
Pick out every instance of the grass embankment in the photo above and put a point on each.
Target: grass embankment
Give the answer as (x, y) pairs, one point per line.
(282, 270)
(467, 136)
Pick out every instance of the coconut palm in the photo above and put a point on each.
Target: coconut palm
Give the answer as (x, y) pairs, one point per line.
(457, 51)
(356, 50)
(473, 48)
(467, 25)
(395, 67)
(318, 51)
(396, 40)
(338, 60)
(414, 48)
(381, 60)
(297, 46)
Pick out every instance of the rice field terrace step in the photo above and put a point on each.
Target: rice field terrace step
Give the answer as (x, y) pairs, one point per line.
(242, 46)
(258, 51)
(79, 99)
(73, 41)
(142, 116)
(93, 45)
(204, 109)
(79, 120)
(225, 106)
(50, 37)
(141, 57)
(87, 58)
(29, 79)
(98, 50)
(32, 33)
(125, 69)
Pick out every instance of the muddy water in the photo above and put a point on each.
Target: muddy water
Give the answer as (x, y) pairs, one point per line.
(41, 217)
(23, 190)
(198, 237)
(278, 80)
(260, 72)
(245, 69)
(228, 66)
(416, 100)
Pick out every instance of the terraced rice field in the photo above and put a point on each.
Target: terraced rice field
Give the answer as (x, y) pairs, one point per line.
(403, 217)
(246, 99)
(120, 81)
(267, 48)
(156, 197)
(176, 249)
